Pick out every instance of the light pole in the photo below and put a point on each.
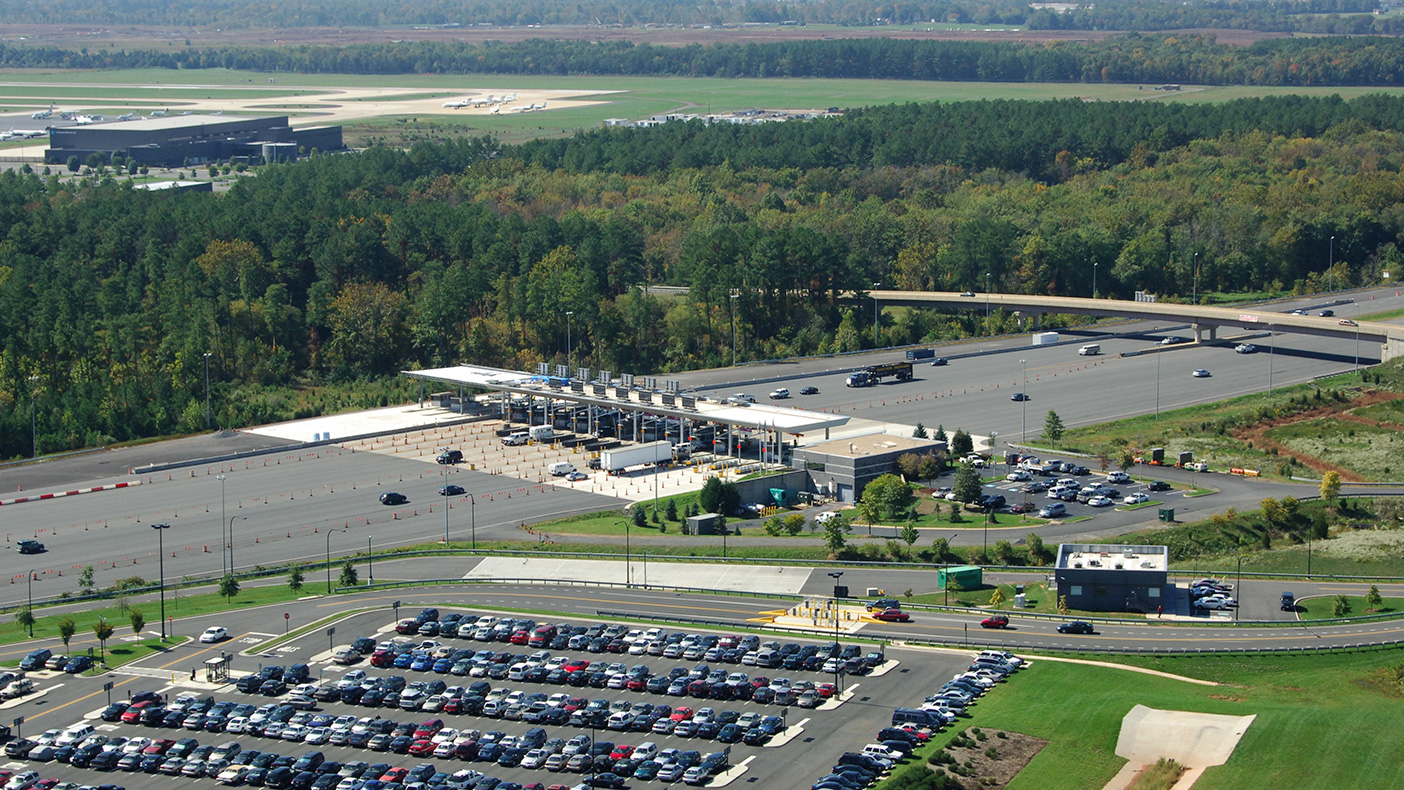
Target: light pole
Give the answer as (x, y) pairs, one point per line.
(838, 669)
(946, 587)
(1310, 529)
(875, 315)
(1272, 348)
(223, 538)
(370, 561)
(570, 358)
(33, 424)
(1238, 588)
(1157, 387)
(734, 297)
(207, 390)
(1094, 279)
(1024, 367)
(29, 605)
(447, 504)
(161, 557)
(473, 519)
(1357, 337)
(1194, 293)
(1331, 267)
(987, 304)
(329, 534)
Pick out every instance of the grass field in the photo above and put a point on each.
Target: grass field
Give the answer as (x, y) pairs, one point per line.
(1322, 608)
(1374, 453)
(1328, 704)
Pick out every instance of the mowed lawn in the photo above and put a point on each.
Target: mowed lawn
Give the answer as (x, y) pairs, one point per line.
(1320, 719)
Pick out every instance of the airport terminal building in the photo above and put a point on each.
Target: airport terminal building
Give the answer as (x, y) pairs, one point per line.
(192, 139)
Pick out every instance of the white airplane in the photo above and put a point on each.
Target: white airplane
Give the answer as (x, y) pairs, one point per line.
(42, 114)
(21, 134)
(84, 120)
(496, 109)
(527, 108)
(457, 104)
(158, 114)
(188, 112)
(509, 99)
(129, 116)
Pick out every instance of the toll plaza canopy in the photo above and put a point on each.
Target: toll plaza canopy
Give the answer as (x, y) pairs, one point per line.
(616, 395)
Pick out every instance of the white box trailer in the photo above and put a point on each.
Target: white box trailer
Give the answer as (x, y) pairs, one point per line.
(620, 458)
(1045, 338)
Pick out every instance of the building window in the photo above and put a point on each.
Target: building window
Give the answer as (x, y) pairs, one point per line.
(814, 466)
(1153, 592)
(1100, 591)
(1075, 589)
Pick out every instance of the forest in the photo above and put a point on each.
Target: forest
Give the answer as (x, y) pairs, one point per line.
(1133, 58)
(1305, 16)
(344, 269)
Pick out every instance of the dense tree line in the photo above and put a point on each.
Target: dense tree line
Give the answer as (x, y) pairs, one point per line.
(352, 267)
(1124, 59)
(1306, 16)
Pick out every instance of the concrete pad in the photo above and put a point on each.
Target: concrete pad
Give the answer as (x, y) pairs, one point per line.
(754, 578)
(1194, 740)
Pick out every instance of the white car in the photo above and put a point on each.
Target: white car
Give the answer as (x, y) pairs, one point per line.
(779, 394)
(1172, 340)
(742, 397)
(1135, 499)
(1118, 477)
(1019, 476)
(1099, 501)
(1201, 374)
(1212, 602)
(1245, 348)
(214, 633)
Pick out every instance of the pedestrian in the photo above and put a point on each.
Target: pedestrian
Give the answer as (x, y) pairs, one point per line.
(1159, 610)
(192, 673)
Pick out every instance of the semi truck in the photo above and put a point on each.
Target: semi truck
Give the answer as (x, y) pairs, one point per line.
(874, 374)
(662, 452)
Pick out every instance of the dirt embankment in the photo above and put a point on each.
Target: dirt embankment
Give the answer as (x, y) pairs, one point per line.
(1258, 434)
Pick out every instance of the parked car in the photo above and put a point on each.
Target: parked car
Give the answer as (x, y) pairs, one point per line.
(1135, 498)
(1157, 485)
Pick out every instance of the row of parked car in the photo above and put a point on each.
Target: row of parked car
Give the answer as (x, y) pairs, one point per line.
(1212, 594)
(44, 658)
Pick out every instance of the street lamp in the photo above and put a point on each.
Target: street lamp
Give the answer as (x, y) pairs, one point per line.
(1094, 279)
(1272, 348)
(161, 556)
(29, 605)
(838, 669)
(207, 390)
(223, 539)
(33, 424)
(370, 561)
(447, 504)
(1194, 294)
(329, 534)
(570, 359)
(987, 304)
(947, 585)
(1357, 337)
(734, 297)
(473, 519)
(1024, 367)
(875, 315)
(1157, 387)
(1331, 267)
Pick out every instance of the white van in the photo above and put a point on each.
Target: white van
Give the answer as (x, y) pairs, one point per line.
(561, 468)
(542, 433)
(1090, 350)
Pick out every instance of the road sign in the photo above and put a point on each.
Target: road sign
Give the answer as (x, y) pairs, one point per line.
(286, 615)
(331, 630)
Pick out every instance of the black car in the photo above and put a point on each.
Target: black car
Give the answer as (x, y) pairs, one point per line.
(991, 501)
(78, 664)
(114, 711)
(1019, 396)
(1075, 627)
(605, 780)
(30, 547)
(451, 490)
(1157, 485)
(393, 498)
(938, 362)
(809, 391)
(450, 457)
(364, 645)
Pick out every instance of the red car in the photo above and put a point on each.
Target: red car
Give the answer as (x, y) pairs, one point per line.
(681, 713)
(133, 714)
(410, 626)
(917, 732)
(826, 690)
(576, 665)
(422, 747)
(428, 728)
(381, 659)
(892, 616)
(395, 775)
(995, 621)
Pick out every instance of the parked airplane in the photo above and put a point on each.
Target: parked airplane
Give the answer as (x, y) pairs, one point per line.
(42, 114)
(84, 120)
(529, 108)
(457, 104)
(496, 109)
(158, 114)
(129, 116)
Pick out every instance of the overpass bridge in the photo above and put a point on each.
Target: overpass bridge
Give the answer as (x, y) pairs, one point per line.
(1206, 320)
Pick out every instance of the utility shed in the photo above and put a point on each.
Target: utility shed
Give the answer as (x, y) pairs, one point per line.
(1112, 578)
(965, 577)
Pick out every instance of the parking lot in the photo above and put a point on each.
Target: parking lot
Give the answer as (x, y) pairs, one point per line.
(459, 711)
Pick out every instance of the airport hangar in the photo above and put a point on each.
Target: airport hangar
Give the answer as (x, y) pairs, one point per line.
(181, 141)
(608, 393)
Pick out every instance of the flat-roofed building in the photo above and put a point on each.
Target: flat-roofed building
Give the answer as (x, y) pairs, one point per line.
(844, 467)
(1112, 578)
(184, 140)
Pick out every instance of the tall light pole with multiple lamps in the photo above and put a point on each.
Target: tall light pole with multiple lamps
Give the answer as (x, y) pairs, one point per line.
(570, 358)
(223, 537)
(473, 519)
(445, 493)
(329, 534)
(875, 315)
(1272, 349)
(987, 304)
(161, 557)
(232, 519)
(734, 297)
(29, 604)
(1094, 279)
(1331, 267)
(838, 670)
(370, 561)
(1194, 292)
(1024, 367)
(33, 423)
